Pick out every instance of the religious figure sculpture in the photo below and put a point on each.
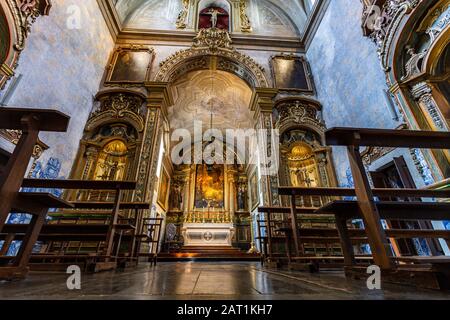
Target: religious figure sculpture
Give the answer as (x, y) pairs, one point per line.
(181, 20)
(214, 16)
(245, 21)
(176, 197)
(241, 197)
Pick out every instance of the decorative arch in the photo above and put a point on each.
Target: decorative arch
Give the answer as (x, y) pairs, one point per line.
(436, 52)
(212, 49)
(117, 106)
(300, 112)
(418, 40)
(411, 38)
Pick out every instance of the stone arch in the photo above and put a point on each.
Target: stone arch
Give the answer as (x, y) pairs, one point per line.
(435, 53)
(411, 54)
(206, 58)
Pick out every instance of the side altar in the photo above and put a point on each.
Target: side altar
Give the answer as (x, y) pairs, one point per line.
(207, 202)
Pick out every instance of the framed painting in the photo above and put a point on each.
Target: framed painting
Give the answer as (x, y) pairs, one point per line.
(163, 190)
(254, 190)
(291, 73)
(209, 186)
(130, 64)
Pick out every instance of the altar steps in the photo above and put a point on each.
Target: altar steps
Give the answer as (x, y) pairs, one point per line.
(209, 254)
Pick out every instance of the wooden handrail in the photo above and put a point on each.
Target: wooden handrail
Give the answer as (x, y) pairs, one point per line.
(47, 120)
(79, 184)
(379, 192)
(387, 138)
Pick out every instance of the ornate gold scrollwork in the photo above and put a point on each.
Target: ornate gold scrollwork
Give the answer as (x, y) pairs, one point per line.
(211, 42)
(118, 106)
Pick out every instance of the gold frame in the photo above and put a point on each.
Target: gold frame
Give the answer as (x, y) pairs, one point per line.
(163, 203)
(130, 48)
(305, 65)
(252, 187)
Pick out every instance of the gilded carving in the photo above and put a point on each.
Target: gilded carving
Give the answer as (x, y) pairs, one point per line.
(299, 113)
(372, 154)
(25, 14)
(211, 42)
(181, 20)
(212, 38)
(118, 106)
(245, 21)
(422, 92)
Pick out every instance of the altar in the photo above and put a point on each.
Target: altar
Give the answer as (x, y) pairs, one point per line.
(208, 234)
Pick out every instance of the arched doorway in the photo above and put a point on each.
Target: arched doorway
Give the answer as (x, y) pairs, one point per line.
(416, 60)
(209, 203)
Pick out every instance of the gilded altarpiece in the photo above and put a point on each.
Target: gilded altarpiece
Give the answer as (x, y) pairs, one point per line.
(304, 159)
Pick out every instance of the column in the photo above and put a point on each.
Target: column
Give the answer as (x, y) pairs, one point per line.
(423, 94)
(158, 100)
(262, 105)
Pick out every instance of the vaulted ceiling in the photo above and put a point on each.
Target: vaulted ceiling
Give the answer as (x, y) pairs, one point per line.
(268, 17)
(199, 94)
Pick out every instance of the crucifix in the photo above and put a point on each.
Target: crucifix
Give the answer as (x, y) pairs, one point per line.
(214, 13)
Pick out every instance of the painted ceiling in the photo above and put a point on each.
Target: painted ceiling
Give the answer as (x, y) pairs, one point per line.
(268, 17)
(199, 94)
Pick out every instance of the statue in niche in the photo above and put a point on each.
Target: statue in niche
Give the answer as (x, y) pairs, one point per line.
(214, 13)
(241, 197)
(176, 196)
(214, 17)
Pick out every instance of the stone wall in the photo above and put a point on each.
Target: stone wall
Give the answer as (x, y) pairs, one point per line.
(62, 68)
(349, 80)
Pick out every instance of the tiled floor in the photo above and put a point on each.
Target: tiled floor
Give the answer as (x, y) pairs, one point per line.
(206, 281)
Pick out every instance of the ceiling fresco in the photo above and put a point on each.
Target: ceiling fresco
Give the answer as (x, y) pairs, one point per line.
(267, 17)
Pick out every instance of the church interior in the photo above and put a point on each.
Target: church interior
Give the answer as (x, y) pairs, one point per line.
(242, 149)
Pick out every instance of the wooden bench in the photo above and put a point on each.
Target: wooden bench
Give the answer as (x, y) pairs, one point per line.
(30, 122)
(366, 205)
(107, 228)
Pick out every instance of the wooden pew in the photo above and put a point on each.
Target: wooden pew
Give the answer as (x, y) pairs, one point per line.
(372, 211)
(343, 212)
(355, 138)
(30, 122)
(109, 228)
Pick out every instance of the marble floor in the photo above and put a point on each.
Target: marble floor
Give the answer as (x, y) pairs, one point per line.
(198, 280)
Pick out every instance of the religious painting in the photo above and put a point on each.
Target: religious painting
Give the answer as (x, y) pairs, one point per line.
(163, 190)
(291, 73)
(131, 64)
(209, 186)
(214, 17)
(254, 190)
